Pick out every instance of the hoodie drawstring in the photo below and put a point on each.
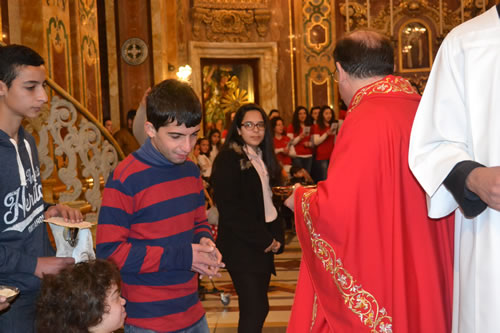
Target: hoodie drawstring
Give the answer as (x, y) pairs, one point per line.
(22, 174)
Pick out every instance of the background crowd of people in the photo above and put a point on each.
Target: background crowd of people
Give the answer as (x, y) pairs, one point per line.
(306, 143)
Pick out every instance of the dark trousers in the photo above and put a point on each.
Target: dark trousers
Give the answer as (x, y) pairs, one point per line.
(252, 299)
(305, 163)
(320, 170)
(20, 316)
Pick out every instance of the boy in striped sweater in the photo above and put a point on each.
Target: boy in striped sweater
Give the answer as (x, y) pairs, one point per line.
(152, 222)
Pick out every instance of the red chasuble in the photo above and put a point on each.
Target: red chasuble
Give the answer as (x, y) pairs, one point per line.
(372, 259)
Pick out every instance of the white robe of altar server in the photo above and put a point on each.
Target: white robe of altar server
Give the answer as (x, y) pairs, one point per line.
(459, 119)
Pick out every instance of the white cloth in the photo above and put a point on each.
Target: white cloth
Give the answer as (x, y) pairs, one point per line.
(213, 153)
(259, 165)
(459, 119)
(83, 249)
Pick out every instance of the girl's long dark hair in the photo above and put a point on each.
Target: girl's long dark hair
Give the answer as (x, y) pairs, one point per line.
(321, 117)
(267, 145)
(212, 132)
(296, 121)
(274, 123)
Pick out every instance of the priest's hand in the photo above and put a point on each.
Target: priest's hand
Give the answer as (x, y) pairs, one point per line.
(289, 202)
(485, 182)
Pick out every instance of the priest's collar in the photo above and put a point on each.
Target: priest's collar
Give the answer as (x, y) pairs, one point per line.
(388, 85)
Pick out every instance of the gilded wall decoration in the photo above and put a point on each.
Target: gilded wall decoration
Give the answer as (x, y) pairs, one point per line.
(318, 35)
(263, 58)
(235, 25)
(87, 12)
(57, 35)
(415, 46)
(57, 3)
(357, 14)
(89, 50)
(226, 86)
(262, 18)
(418, 80)
(317, 24)
(91, 92)
(88, 55)
(58, 53)
(238, 4)
(319, 77)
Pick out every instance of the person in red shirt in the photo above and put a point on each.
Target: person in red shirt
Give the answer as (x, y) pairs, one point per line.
(299, 131)
(314, 114)
(281, 143)
(324, 132)
(342, 110)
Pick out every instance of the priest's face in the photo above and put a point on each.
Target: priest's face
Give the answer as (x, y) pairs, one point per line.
(173, 141)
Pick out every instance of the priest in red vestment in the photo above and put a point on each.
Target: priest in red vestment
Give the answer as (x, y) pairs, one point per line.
(372, 259)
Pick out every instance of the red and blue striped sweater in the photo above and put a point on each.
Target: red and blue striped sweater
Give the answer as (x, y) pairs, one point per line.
(151, 212)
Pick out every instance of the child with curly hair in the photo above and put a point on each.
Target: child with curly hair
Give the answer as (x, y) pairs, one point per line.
(82, 298)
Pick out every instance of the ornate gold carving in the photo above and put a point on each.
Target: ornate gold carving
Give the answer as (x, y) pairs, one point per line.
(88, 14)
(362, 303)
(415, 43)
(234, 4)
(357, 15)
(57, 3)
(57, 34)
(230, 24)
(89, 50)
(419, 79)
(262, 18)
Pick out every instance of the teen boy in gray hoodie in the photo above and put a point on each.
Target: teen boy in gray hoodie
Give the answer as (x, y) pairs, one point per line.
(25, 251)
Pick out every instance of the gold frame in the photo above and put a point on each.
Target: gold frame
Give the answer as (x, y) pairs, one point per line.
(400, 31)
(328, 81)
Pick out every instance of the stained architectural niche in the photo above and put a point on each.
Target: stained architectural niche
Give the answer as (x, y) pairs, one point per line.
(230, 20)
(265, 53)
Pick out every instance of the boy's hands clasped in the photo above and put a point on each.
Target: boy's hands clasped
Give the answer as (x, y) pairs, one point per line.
(207, 259)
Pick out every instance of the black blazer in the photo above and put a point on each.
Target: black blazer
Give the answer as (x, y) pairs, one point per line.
(243, 233)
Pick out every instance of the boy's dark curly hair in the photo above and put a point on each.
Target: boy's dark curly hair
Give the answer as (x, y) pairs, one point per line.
(74, 300)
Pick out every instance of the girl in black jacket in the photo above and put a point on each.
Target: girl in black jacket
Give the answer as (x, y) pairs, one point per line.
(250, 232)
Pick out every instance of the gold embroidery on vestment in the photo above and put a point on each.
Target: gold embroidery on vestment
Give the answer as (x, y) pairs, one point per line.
(384, 86)
(359, 301)
(314, 312)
